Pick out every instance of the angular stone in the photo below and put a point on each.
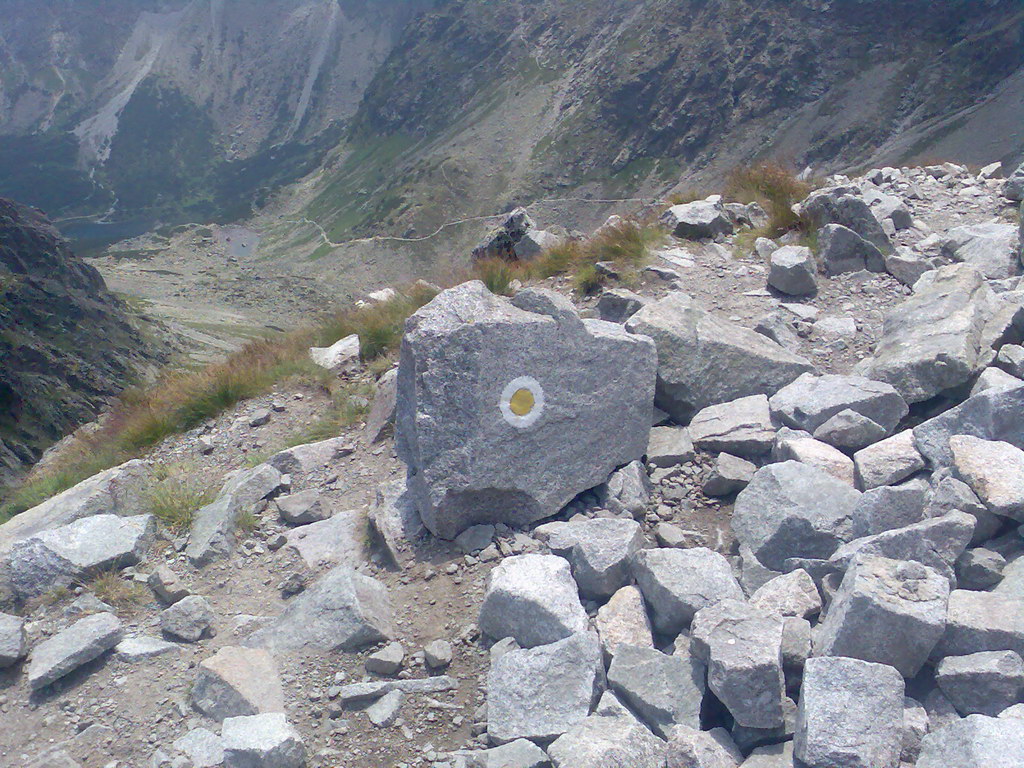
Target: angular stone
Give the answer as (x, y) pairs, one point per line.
(887, 508)
(598, 550)
(338, 540)
(343, 610)
(842, 250)
(793, 445)
(540, 693)
(793, 510)
(700, 220)
(237, 681)
(133, 649)
(907, 267)
(485, 390)
(340, 356)
(608, 740)
(889, 208)
(915, 726)
(742, 427)
(204, 748)
(121, 490)
(533, 243)
(934, 340)
(850, 715)
(745, 665)
(387, 661)
(663, 690)
(995, 472)
(810, 401)
(214, 530)
(628, 491)
(166, 585)
(990, 247)
(262, 741)
(792, 271)
(384, 712)
(935, 542)
(617, 305)
(982, 683)
(778, 327)
(979, 569)
(850, 431)
(791, 594)
(670, 447)
(533, 599)
(749, 738)
(359, 693)
(1011, 360)
(974, 742)
(841, 205)
(676, 583)
(83, 641)
(516, 754)
(438, 654)
(474, 539)
(704, 360)
(729, 474)
(75, 552)
(302, 508)
(304, 459)
(395, 521)
(382, 412)
(796, 650)
(694, 748)
(623, 621)
(13, 640)
(886, 611)
(982, 621)
(990, 415)
(887, 462)
(772, 756)
(189, 619)
(950, 494)
(997, 380)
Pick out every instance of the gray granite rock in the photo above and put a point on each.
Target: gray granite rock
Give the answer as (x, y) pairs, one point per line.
(791, 594)
(850, 715)
(542, 692)
(237, 681)
(663, 690)
(888, 507)
(794, 445)
(395, 522)
(13, 640)
(533, 599)
(704, 360)
(982, 621)
(610, 738)
(810, 401)
(842, 250)
(842, 205)
(990, 247)
(670, 447)
(793, 510)
(676, 583)
(995, 472)
(617, 305)
(623, 621)
(974, 742)
(83, 641)
(302, 508)
(75, 552)
(262, 741)
(134, 649)
(599, 551)
(189, 619)
(887, 462)
(693, 748)
(699, 220)
(982, 683)
(741, 427)
(203, 748)
(850, 431)
(886, 611)
(382, 413)
(792, 271)
(915, 727)
(992, 415)
(485, 390)
(516, 754)
(949, 494)
(342, 610)
(729, 474)
(979, 569)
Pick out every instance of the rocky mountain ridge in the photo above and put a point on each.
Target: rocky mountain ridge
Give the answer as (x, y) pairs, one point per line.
(813, 559)
(67, 345)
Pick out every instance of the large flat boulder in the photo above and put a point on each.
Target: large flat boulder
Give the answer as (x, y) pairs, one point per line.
(120, 491)
(704, 360)
(974, 742)
(989, 415)
(991, 248)
(935, 340)
(73, 553)
(505, 414)
(343, 610)
(83, 641)
(235, 682)
(793, 510)
(995, 472)
(810, 401)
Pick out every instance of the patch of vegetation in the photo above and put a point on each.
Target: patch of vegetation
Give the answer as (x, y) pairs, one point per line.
(350, 404)
(175, 500)
(775, 188)
(113, 589)
(247, 522)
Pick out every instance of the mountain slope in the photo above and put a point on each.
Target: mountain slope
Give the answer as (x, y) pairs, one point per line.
(67, 345)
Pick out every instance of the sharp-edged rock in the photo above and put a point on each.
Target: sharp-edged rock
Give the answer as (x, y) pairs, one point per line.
(991, 248)
(982, 683)
(792, 271)
(842, 250)
(670, 447)
(304, 459)
(694, 748)
(663, 690)
(793, 445)
(533, 599)
(700, 220)
(729, 474)
(598, 550)
(262, 741)
(83, 641)
(623, 621)
(791, 594)
(704, 360)
(609, 738)
(982, 621)
(13, 640)
(992, 415)
(810, 401)
(974, 742)
(189, 619)
(742, 427)
(995, 472)
(523, 375)
(887, 508)
(395, 521)
(340, 356)
(841, 205)
(887, 462)
(236, 682)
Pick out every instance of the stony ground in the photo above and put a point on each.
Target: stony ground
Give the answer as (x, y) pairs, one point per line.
(115, 713)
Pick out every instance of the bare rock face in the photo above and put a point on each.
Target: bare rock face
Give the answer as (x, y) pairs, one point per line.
(505, 414)
(236, 682)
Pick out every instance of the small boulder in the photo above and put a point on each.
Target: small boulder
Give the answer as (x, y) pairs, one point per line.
(982, 683)
(979, 569)
(166, 585)
(694, 748)
(387, 661)
(791, 594)
(302, 508)
(842, 250)
(676, 583)
(850, 431)
(598, 550)
(742, 427)
(792, 271)
(663, 690)
(991, 248)
(262, 741)
(237, 681)
(670, 447)
(83, 641)
(976, 741)
(995, 472)
(533, 599)
(438, 654)
(13, 640)
(810, 401)
(887, 462)
(982, 621)
(700, 220)
(341, 356)
(729, 474)
(189, 619)
(617, 305)
(623, 621)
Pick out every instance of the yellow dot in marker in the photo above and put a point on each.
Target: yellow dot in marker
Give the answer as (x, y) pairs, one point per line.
(522, 402)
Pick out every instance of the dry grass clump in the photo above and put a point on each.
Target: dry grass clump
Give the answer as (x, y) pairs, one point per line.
(775, 188)
(114, 590)
(175, 501)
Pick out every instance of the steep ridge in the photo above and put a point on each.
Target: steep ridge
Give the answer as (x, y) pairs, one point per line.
(67, 345)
